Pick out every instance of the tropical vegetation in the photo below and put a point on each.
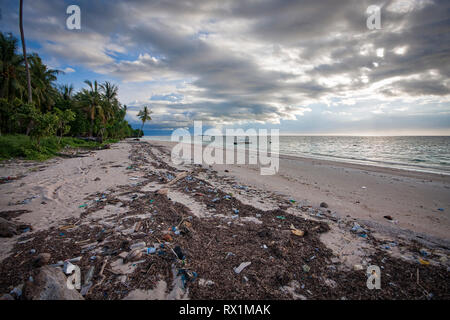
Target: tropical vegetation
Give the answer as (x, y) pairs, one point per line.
(53, 112)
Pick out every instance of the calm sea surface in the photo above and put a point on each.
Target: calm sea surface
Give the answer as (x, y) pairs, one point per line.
(428, 154)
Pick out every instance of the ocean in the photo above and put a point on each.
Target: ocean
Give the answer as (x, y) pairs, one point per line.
(424, 153)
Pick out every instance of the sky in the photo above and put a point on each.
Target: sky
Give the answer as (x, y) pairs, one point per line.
(304, 67)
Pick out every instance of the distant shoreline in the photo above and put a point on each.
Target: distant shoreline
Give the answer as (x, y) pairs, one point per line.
(379, 166)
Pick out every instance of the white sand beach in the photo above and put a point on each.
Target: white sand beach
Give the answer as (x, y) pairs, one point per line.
(62, 191)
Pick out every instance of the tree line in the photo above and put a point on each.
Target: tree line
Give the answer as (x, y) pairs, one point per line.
(55, 110)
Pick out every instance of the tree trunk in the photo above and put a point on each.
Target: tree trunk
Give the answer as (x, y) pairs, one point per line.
(24, 48)
(142, 128)
(91, 133)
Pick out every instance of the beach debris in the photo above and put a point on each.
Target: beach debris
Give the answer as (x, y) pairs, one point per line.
(28, 200)
(17, 291)
(299, 233)
(423, 262)
(9, 229)
(67, 227)
(323, 205)
(150, 250)
(179, 252)
(281, 217)
(358, 267)
(167, 237)
(89, 275)
(229, 254)
(187, 276)
(84, 205)
(424, 252)
(133, 256)
(292, 201)
(25, 241)
(441, 209)
(50, 284)
(138, 245)
(306, 268)
(358, 229)
(68, 267)
(178, 177)
(163, 191)
(241, 267)
(363, 187)
(362, 235)
(388, 217)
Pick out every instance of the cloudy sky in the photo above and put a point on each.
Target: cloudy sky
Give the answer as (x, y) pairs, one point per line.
(306, 67)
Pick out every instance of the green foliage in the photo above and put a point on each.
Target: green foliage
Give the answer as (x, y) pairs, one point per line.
(22, 146)
(144, 115)
(44, 124)
(94, 111)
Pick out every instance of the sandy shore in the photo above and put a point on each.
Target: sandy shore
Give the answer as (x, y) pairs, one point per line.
(108, 198)
(369, 193)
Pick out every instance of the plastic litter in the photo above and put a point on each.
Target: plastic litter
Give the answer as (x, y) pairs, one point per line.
(138, 245)
(68, 267)
(150, 250)
(179, 253)
(241, 267)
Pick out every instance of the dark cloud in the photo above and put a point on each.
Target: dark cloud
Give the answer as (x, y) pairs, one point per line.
(252, 60)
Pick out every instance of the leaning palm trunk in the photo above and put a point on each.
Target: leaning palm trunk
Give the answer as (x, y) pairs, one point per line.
(24, 48)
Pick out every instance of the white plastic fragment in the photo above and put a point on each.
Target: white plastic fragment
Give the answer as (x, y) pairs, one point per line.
(241, 267)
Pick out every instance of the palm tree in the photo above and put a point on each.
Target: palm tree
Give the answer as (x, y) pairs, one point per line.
(109, 91)
(144, 115)
(24, 48)
(43, 78)
(91, 101)
(11, 68)
(66, 91)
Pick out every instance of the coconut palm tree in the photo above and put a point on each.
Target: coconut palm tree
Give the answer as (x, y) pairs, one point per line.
(91, 101)
(66, 91)
(144, 115)
(24, 48)
(109, 91)
(43, 79)
(11, 69)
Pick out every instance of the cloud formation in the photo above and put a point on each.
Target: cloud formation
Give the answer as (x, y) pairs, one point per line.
(266, 62)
